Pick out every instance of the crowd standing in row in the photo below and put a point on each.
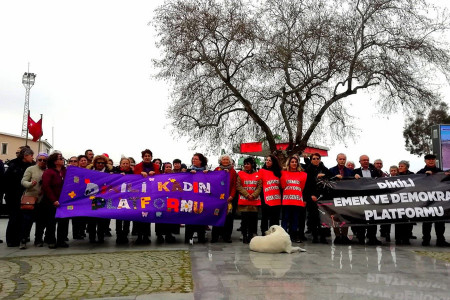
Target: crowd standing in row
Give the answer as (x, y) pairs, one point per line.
(288, 194)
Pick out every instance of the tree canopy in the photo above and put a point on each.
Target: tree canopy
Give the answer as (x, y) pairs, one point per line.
(246, 70)
(417, 131)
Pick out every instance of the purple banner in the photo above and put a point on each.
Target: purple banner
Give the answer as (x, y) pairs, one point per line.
(178, 198)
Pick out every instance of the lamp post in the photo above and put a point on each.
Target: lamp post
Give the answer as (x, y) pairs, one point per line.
(28, 82)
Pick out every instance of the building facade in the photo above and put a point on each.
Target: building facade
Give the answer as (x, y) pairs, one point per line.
(9, 143)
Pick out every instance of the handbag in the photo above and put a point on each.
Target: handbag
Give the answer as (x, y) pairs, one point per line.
(28, 202)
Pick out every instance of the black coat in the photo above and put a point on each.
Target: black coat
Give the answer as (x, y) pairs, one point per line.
(311, 181)
(374, 173)
(12, 182)
(433, 170)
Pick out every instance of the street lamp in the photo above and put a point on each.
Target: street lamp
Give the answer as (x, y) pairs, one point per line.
(28, 82)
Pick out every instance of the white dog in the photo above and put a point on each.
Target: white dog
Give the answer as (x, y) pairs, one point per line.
(276, 240)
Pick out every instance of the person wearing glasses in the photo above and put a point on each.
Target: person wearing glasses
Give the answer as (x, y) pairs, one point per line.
(316, 170)
(98, 226)
(73, 161)
(52, 183)
(13, 194)
(32, 182)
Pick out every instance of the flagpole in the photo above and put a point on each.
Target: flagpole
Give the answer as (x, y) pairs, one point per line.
(26, 139)
(39, 145)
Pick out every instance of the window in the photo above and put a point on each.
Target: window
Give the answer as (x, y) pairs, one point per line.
(4, 148)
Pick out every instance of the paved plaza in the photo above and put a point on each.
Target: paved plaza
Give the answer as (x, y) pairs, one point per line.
(224, 271)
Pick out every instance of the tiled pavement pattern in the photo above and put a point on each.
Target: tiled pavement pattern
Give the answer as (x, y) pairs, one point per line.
(95, 275)
(230, 271)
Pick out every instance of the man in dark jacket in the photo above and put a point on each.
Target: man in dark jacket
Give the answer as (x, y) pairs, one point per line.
(439, 227)
(368, 171)
(340, 171)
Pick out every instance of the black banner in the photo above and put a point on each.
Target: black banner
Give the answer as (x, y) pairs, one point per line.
(388, 200)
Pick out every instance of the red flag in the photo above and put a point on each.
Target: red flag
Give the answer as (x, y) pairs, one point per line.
(35, 129)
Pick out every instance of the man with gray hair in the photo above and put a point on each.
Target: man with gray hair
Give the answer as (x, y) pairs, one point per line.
(366, 170)
(378, 164)
(340, 171)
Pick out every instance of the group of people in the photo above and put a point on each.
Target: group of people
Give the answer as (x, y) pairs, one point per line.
(280, 193)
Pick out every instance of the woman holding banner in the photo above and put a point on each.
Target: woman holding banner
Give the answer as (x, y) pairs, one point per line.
(122, 226)
(227, 229)
(403, 231)
(52, 183)
(249, 187)
(199, 164)
(293, 183)
(164, 231)
(98, 226)
(271, 205)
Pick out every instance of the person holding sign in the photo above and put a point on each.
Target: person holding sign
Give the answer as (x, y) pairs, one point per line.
(368, 171)
(164, 231)
(403, 232)
(122, 226)
(52, 184)
(249, 187)
(341, 172)
(145, 168)
(199, 164)
(316, 170)
(225, 231)
(98, 226)
(439, 227)
(293, 183)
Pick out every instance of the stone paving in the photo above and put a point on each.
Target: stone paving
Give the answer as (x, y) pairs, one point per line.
(95, 275)
(225, 271)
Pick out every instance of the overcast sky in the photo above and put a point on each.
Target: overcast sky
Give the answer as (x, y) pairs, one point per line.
(94, 84)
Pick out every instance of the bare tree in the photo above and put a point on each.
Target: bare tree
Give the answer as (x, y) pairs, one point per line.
(250, 70)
